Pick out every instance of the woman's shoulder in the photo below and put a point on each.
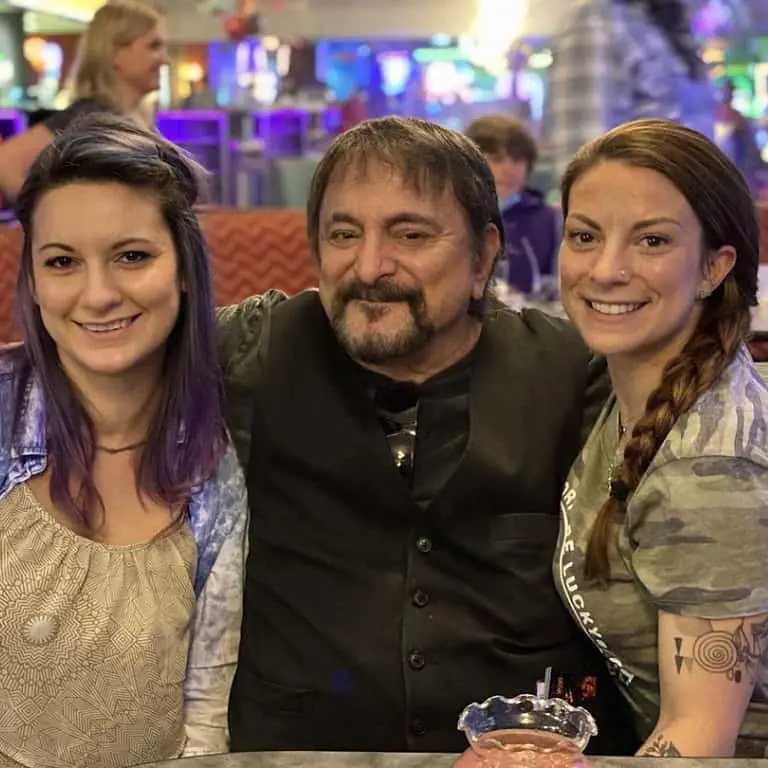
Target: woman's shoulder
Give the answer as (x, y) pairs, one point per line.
(730, 420)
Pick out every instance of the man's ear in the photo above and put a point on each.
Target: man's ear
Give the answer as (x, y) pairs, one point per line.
(490, 251)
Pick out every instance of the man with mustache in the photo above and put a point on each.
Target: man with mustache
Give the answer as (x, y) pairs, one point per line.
(405, 439)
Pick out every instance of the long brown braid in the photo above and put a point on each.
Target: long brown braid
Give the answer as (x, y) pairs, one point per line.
(723, 205)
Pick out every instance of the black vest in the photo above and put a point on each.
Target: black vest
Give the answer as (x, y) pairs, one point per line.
(370, 623)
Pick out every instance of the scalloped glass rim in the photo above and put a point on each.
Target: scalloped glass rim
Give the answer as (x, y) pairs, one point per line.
(574, 723)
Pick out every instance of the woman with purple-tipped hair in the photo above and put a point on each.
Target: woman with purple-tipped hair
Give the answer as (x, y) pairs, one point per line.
(122, 505)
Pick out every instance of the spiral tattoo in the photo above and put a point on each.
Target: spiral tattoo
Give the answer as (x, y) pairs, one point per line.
(736, 654)
(716, 652)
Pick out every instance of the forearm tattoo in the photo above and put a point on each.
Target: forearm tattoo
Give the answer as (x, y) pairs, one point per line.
(660, 747)
(737, 654)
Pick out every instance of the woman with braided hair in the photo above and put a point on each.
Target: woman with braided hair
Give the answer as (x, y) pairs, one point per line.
(663, 553)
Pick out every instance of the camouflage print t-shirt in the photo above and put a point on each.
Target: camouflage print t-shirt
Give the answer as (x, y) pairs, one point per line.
(694, 541)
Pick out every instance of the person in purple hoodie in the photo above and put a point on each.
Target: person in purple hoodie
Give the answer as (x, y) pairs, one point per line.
(532, 228)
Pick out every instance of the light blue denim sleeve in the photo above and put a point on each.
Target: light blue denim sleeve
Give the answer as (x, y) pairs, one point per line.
(216, 631)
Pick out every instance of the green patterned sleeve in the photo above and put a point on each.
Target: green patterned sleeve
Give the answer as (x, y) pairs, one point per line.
(698, 532)
(241, 329)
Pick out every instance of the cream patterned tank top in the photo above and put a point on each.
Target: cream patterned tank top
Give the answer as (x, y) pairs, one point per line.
(93, 643)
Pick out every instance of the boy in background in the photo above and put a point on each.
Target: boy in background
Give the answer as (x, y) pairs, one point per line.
(532, 228)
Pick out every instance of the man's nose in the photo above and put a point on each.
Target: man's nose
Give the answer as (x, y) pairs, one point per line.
(373, 259)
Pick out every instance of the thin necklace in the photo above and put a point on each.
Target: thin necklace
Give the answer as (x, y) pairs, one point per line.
(618, 488)
(124, 449)
(623, 430)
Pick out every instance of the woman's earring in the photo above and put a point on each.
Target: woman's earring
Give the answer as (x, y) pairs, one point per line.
(701, 295)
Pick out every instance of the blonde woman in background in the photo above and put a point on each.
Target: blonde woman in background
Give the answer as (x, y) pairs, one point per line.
(119, 62)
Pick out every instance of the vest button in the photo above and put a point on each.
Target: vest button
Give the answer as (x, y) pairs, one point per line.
(423, 544)
(418, 727)
(420, 598)
(416, 660)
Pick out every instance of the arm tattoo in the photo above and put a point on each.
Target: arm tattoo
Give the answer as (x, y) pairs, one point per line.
(737, 654)
(660, 747)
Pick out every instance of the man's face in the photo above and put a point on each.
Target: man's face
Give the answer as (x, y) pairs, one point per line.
(398, 268)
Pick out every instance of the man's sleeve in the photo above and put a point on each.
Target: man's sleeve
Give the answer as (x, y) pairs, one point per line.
(596, 392)
(241, 329)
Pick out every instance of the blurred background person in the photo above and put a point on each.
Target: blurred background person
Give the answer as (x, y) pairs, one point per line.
(354, 110)
(118, 65)
(532, 229)
(201, 95)
(621, 60)
(735, 135)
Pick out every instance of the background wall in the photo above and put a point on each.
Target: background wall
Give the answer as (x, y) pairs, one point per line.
(77, 10)
(367, 18)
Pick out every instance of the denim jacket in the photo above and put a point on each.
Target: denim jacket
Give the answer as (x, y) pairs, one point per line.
(218, 514)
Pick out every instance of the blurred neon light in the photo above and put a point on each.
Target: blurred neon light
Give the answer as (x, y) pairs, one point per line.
(493, 37)
(396, 68)
(428, 55)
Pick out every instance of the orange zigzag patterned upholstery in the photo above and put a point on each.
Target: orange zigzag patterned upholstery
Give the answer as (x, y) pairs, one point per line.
(10, 248)
(252, 251)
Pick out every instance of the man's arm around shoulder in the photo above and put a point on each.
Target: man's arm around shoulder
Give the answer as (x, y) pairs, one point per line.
(240, 329)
